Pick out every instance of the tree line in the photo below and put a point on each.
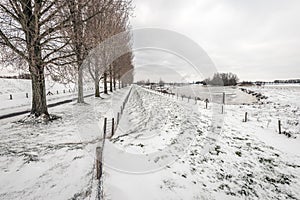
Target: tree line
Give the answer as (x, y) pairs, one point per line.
(288, 81)
(58, 36)
(222, 79)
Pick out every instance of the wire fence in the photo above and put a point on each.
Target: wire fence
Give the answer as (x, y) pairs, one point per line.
(26, 95)
(277, 122)
(109, 128)
(193, 100)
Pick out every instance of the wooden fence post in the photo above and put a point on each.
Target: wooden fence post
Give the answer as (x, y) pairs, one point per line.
(223, 97)
(26, 95)
(246, 116)
(104, 128)
(98, 163)
(279, 126)
(10, 97)
(206, 104)
(56, 92)
(118, 118)
(112, 127)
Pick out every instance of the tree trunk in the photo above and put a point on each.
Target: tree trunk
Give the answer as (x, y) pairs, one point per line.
(97, 89)
(80, 85)
(36, 68)
(110, 79)
(39, 102)
(97, 78)
(114, 80)
(105, 83)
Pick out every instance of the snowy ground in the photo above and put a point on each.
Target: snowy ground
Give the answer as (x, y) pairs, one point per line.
(282, 104)
(233, 95)
(54, 160)
(157, 150)
(19, 87)
(250, 160)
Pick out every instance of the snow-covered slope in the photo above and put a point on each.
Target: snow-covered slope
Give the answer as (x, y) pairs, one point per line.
(249, 160)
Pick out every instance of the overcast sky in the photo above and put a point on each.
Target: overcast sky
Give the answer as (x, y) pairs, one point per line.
(256, 39)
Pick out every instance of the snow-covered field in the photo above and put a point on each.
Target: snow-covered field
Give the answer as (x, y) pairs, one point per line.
(54, 160)
(157, 151)
(19, 87)
(284, 94)
(282, 104)
(250, 160)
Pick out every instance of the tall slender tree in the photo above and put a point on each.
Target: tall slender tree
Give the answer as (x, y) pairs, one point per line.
(76, 9)
(113, 20)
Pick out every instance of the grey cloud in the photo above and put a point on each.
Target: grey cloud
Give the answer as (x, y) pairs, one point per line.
(256, 39)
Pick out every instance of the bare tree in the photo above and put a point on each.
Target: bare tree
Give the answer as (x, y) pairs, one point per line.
(94, 32)
(113, 20)
(76, 9)
(119, 24)
(126, 70)
(30, 31)
(56, 34)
